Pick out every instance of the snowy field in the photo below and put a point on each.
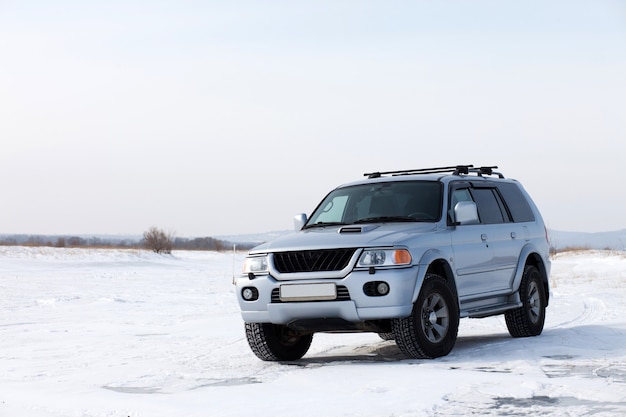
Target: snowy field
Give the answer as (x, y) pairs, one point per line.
(130, 333)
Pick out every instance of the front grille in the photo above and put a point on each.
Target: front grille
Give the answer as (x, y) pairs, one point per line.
(312, 260)
(342, 295)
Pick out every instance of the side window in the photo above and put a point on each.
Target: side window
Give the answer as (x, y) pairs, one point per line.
(457, 195)
(516, 202)
(489, 208)
(462, 194)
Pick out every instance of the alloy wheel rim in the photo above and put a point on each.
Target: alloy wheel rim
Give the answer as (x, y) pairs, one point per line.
(435, 318)
(534, 302)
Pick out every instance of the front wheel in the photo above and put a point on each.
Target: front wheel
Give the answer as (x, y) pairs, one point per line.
(386, 336)
(431, 329)
(274, 342)
(528, 319)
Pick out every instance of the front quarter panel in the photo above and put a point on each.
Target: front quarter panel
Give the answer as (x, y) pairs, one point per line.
(430, 257)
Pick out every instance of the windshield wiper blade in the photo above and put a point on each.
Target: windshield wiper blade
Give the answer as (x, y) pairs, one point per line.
(323, 224)
(386, 219)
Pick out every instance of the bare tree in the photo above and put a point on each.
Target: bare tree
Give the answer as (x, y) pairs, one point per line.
(158, 241)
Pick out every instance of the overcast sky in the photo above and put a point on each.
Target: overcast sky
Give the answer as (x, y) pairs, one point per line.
(209, 118)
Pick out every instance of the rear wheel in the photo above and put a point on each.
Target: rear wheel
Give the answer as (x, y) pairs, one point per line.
(528, 319)
(274, 342)
(431, 329)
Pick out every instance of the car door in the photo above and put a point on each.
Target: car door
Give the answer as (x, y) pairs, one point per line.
(501, 235)
(473, 255)
(515, 232)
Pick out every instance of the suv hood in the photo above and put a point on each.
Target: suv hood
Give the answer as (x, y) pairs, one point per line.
(350, 236)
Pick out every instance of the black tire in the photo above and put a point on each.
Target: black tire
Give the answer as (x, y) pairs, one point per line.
(273, 342)
(386, 336)
(431, 329)
(528, 319)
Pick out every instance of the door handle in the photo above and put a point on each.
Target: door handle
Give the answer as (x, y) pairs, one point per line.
(513, 235)
(483, 237)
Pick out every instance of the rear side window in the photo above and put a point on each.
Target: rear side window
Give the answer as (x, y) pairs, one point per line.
(516, 202)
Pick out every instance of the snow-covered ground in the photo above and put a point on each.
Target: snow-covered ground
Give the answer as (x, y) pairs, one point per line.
(130, 333)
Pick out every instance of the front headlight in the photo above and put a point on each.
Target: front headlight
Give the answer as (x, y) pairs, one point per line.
(255, 265)
(384, 257)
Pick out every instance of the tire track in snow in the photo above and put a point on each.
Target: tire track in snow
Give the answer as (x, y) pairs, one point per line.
(593, 310)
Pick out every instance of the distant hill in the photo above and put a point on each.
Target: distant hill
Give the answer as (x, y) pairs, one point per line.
(615, 240)
(257, 238)
(118, 241)
(559, 240)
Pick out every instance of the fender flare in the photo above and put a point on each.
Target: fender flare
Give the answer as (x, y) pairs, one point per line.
(530, 255)
(428, 258)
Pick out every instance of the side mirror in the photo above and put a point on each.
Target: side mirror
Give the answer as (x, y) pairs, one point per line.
(465, 212)
(298, 221)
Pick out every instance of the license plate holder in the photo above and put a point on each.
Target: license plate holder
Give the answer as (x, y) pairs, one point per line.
(308, 292)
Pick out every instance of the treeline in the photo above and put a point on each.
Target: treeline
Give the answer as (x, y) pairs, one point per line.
(198, 243)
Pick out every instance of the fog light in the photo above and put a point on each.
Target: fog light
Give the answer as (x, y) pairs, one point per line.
(376, 288)
(250, 293)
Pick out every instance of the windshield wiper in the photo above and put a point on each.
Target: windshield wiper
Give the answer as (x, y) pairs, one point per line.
(383, 219)
(323, 224)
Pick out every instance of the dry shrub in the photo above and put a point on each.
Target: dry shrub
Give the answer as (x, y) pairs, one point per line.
(158, 240)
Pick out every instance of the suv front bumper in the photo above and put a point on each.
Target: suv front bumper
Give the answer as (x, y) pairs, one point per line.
(359, 307)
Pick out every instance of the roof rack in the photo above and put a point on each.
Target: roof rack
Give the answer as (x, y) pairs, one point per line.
(454, 170)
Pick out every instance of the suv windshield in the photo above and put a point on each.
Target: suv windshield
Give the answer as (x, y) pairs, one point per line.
(415, 201)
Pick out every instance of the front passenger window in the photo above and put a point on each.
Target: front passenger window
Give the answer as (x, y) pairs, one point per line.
(458, 195)
(488, 207)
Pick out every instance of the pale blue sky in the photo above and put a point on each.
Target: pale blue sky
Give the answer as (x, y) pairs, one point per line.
(214, 118)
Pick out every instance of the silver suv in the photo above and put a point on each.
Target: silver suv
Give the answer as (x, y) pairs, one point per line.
(405, 254)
